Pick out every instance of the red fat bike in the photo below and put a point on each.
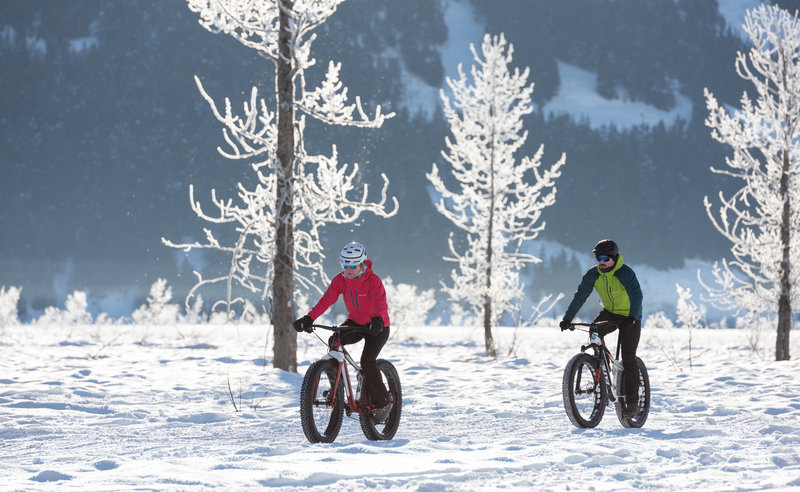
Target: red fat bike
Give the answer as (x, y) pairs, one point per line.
(327, 394)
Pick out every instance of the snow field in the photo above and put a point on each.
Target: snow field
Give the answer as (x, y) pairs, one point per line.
(120, 407)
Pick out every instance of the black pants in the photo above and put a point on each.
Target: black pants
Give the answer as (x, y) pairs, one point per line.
(629, 335)
(373, 384)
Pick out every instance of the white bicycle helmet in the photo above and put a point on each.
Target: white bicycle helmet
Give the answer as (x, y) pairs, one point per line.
(352, 254)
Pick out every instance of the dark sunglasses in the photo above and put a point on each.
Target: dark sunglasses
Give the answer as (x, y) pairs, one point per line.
(350, 266)
(603, 258)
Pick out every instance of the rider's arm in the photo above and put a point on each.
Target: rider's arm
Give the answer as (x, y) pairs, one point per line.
(378, 297)
(327, 300)
(584, 289)
(628, 280)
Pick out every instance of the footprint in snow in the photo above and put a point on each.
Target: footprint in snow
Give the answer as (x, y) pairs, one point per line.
(104, 465)
(50, 476)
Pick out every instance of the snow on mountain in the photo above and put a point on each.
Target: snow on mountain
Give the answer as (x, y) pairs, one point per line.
(463, 28)
(734, 11)
(577, 97)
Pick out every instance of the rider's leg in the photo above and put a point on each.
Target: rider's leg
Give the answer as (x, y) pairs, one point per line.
(629, 335)
(347, 337)
(629, 340)
(373, 384)
(605, 315)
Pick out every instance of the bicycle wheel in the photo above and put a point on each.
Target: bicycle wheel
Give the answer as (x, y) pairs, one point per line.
(321, 418)
(385, 431)
(583, 391)
(644, 397)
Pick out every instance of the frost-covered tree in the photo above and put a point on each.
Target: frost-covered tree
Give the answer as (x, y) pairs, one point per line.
(278, 222)
(762, 219)
(499, 200)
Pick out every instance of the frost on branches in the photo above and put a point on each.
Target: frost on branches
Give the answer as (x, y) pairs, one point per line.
(278, 222)
(762, 219)
(499, 200)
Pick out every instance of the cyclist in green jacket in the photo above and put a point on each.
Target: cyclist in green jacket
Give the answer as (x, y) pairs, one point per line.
(621, 295)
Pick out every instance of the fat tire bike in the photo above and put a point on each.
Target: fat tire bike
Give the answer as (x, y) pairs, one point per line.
(327, 393)
(595, 380)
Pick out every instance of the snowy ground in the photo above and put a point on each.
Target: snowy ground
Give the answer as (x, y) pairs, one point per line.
(123, 407)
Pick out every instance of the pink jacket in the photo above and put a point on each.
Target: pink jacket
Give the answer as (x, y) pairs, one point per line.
(364, 297)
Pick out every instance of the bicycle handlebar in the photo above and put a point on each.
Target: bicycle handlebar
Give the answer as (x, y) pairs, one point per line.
(594, 324)
(340, 328)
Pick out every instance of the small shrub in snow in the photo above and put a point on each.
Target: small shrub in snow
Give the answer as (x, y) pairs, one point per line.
(462, 317)
(406, 306)
(9, 298)
(251, 315)
(758, 330)
(75, 312)
(671, 340)
(662, 329)
(690, 315)
(194, 312)
(157, 309)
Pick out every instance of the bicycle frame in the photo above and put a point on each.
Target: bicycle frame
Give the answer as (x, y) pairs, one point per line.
(609, 365)
(342, 356)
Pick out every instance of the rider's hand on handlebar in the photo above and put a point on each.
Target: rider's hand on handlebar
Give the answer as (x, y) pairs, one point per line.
(375, 325)
(565, 325)
(303, 324)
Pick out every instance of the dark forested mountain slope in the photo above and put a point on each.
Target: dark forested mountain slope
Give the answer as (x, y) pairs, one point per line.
(102, 130)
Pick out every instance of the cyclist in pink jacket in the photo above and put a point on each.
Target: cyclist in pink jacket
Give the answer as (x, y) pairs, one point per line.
(365, 300)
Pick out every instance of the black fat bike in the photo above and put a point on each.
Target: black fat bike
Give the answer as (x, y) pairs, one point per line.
(593, 379)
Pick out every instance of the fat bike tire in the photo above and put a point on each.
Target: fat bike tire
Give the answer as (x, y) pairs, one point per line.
(383, 431)
(584, 392)
(320, 416)
(644, 398)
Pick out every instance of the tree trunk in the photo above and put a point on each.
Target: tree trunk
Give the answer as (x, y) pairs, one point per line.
(285, 348)
(487, 300)
(487, 305)
(487, 319)
(784, 299)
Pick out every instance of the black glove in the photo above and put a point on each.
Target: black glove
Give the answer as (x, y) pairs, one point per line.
(303, 324)
(565, 325)
(635, 322)
(375, 325)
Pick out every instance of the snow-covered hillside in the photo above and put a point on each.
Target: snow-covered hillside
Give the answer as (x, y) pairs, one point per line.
(146, 407)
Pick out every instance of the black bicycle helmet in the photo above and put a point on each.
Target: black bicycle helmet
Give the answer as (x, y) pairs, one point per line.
(606, 247)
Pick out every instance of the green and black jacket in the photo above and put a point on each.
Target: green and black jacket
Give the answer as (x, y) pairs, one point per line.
(618, 289)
